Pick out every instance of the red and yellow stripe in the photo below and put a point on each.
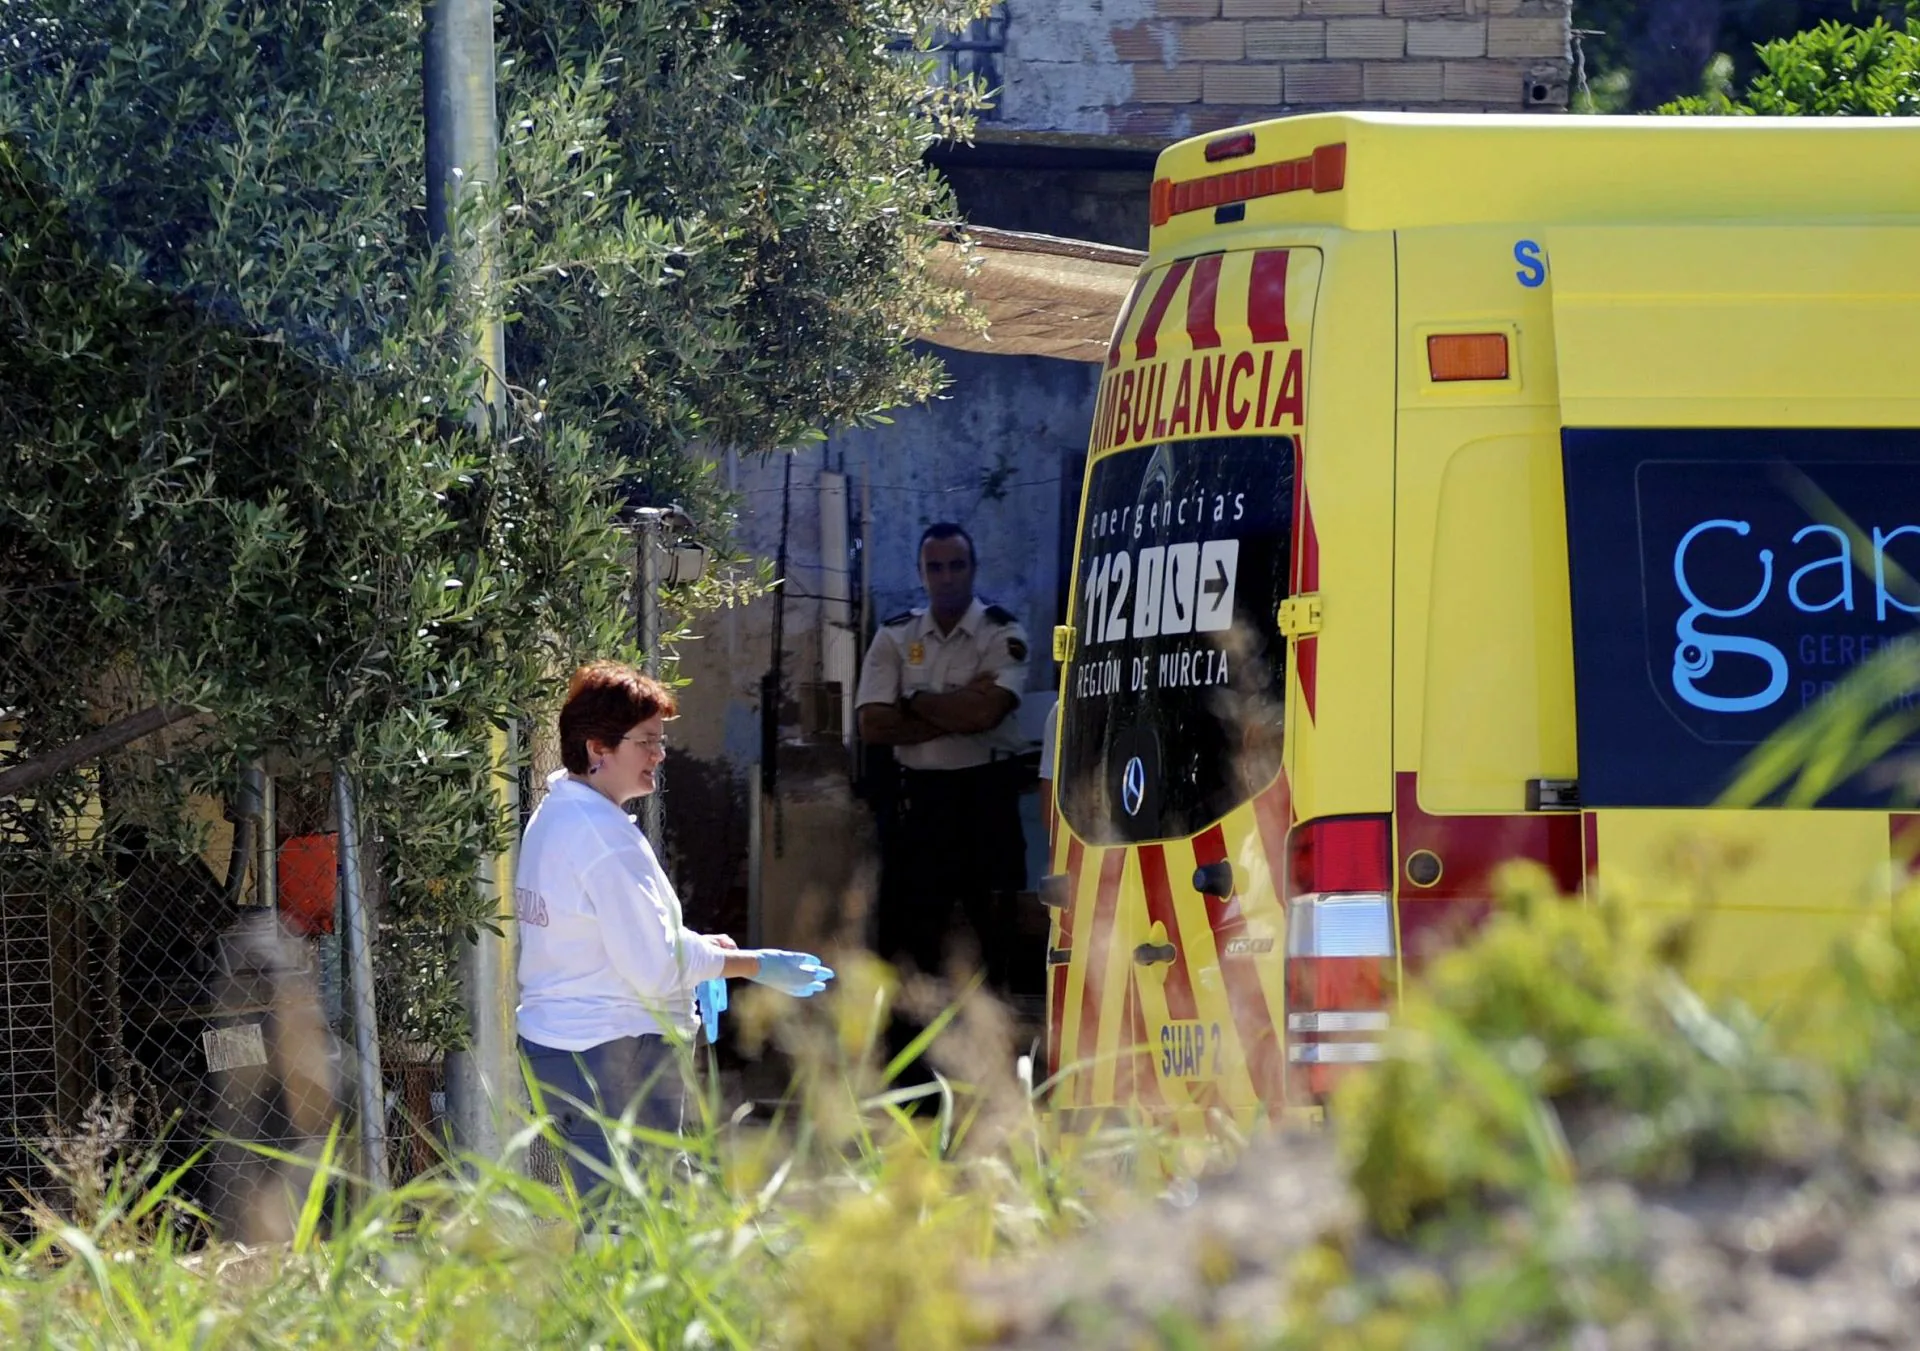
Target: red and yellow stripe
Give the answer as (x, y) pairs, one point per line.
(1107, 1012)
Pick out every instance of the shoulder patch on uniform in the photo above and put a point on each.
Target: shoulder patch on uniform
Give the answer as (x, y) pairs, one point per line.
(892, 621)
(999, 614)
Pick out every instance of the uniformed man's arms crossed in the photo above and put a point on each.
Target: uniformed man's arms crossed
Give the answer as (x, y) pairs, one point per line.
(883, 722)
(985, 701)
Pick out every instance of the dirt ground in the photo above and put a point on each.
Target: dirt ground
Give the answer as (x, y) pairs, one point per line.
(1827, 1260)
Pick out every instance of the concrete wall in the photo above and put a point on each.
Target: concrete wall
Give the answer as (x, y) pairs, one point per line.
(1168, 68)
(989, 455)
(996, 454)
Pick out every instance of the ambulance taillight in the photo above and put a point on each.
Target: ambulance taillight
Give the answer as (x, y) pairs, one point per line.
(1340, 948)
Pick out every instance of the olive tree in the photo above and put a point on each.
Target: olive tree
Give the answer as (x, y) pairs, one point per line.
(234, 475)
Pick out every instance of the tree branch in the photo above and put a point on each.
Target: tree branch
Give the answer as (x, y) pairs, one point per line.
(24, 777)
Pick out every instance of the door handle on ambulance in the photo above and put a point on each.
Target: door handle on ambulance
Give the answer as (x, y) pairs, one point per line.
(1154, 954)
(1300, 616)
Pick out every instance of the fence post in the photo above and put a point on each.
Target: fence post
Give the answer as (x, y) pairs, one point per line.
(371, 1091)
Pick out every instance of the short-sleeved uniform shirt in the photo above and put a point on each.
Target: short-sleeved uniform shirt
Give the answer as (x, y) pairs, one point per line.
(910, 654)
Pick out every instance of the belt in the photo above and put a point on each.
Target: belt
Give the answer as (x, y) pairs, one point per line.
(949, 774)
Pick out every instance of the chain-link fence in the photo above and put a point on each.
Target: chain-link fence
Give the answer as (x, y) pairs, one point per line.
(173, 981)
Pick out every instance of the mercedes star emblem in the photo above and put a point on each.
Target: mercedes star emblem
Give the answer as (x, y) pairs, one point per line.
(1133, 786)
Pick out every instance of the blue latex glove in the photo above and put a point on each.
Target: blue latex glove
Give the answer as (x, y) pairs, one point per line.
(712, 997)
(796, 973)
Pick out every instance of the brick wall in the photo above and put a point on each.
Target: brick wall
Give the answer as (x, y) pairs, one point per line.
(1165, 68)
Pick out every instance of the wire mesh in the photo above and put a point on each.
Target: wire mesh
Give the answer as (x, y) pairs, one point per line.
(170, 965)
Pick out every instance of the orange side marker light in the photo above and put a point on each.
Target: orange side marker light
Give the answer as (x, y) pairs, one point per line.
(1467, 356)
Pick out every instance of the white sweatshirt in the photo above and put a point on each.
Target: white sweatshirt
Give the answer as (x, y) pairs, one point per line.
(603, 950)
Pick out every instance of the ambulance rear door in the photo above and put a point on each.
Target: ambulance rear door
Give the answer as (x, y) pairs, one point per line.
(1169, 774)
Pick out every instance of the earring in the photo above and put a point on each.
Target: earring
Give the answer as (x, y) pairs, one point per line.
(594, 768)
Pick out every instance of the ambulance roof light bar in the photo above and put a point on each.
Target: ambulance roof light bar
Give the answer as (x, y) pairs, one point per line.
(1325, 170)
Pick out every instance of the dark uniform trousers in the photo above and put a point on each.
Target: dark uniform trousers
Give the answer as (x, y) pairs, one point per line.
(956, 859)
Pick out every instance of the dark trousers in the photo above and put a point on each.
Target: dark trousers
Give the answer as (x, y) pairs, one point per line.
(955, 858)
(641, 1073)
(953, 863)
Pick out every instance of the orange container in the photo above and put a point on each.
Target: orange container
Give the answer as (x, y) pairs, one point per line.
(308, 872)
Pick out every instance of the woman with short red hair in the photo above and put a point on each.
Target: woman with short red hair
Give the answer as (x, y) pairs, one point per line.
(608, 969)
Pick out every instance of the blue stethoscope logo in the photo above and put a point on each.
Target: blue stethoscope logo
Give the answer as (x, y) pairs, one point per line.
(1694, 652)
(1133, 786)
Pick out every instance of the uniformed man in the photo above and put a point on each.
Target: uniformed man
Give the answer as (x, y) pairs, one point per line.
(940, 686)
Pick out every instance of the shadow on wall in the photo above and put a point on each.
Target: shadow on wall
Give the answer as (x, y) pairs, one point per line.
(707, 830)
(817, 848)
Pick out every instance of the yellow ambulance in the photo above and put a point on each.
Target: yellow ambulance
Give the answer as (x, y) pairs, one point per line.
(1464, 489)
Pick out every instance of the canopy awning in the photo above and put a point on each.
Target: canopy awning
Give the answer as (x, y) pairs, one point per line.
(1040, 295)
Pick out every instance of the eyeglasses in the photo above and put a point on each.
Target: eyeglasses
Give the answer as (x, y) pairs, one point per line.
(652, 743)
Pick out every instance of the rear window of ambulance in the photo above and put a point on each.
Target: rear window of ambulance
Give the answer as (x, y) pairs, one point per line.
(1172, 711)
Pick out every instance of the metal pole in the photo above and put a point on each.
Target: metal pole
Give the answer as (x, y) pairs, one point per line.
(266, 842)
(649, 536)
(371, 1094)
(864, 632)
(243, 857)
(484, 1082)
(773, 685)
(756, 925)
(462, 156)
